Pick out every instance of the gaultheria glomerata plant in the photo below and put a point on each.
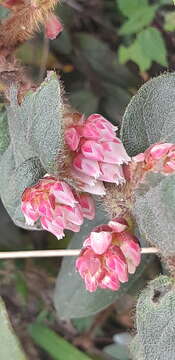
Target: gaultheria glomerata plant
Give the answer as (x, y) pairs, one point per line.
(56, 164)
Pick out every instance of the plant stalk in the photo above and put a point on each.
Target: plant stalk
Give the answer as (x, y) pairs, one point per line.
(54, 253)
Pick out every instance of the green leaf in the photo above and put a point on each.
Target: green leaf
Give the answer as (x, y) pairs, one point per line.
(62, 43)
(134, 53)
(141, 18)
(91, 51)
(13, 183)
(152, 45)
(155, 322)
(128, 7)
(149, 46)
(9, 345)
(117, 351)
(55, 345)
(12, 238)
(4, 130)
(36, 124)
(169, 24)
(149, 117)
(84, 101)
(83, 324)
(114, 102)
(154, 210)
(35, 129)
(71, 299)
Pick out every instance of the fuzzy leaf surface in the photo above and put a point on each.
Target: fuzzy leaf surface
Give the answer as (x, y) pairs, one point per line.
(154, 210)
(149, 117)
(155, 319)
(4, 130)
(35, 129)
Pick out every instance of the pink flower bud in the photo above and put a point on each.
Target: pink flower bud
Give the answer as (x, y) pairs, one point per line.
(139, 158)
(131, 250)
(157, 151)
(92, 150)
(72, 138)
(86, 166)
(108, 255)
(87, 205)
(110, 281)
(31, 215)
(73, 215)
(72, 227)
(53, 27)
(96, 189)
(116, 263)
(115, 153)
(82, 178)
(53, 203)
(100, 241)
(63, 193)
(118, 225)
(158, 158)
(52, 227)
(100, 155)
(104, 128)
(98, 128)
(111, 173)
(89, 268)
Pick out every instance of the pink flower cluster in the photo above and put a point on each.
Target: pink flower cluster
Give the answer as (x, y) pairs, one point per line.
(159, 157)
(97, 154)
(108, 255)
(54, 203)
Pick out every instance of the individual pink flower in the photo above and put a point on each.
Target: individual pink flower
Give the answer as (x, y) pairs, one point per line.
(96, 189)
(86, 166)
(129, 249)
(159, 158)
(92, 150)
(53, 27)
(111, 173)
(88, 183)
(108, 255)
(87, 204)
(72, 138)
(98, 155)
(96, 127)
(56, 206)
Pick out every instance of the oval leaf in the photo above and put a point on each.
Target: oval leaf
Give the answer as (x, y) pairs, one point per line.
(155, 308)
(35, 129)
(149, 117)
(9, 345)
(154, 210)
